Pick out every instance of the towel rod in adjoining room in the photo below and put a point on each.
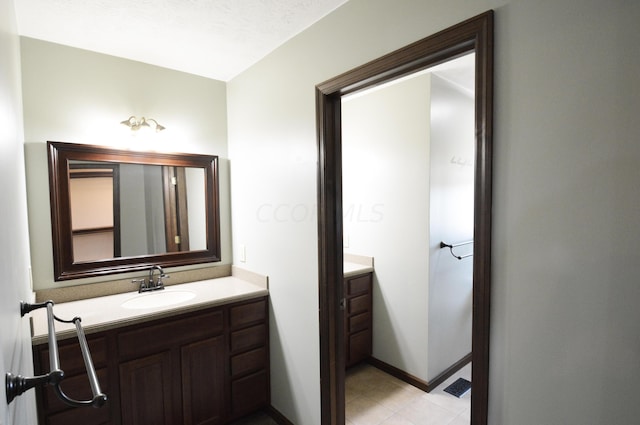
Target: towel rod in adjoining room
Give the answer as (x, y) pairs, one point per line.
(451, 246)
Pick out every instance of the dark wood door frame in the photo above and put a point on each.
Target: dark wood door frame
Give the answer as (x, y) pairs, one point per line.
(176, 214)
(475, 34)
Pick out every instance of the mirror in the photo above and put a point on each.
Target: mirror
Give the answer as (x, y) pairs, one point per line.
(115, 211)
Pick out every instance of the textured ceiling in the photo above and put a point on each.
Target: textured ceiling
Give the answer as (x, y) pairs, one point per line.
(212, 38)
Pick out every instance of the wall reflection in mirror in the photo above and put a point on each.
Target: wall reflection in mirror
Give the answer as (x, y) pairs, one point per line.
(115, 211)
(123, 210)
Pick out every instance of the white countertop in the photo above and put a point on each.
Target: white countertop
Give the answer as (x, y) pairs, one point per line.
(357, 264)
(354, 269)
(107, 312)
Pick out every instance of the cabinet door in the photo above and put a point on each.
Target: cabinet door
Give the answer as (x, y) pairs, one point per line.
(203, 382)
(249, 393)
(146, 390)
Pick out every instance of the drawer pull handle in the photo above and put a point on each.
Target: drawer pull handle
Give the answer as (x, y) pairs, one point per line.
(17, 385)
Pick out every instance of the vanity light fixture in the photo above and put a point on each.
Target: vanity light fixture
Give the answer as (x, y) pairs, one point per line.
(136, 124)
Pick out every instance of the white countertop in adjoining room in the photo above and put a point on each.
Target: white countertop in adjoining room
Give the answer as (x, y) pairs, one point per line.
(357, 264)
(354, 269)
(107, 312)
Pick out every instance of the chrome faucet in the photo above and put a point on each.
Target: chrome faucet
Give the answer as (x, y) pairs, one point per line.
(150, 284)
(158, 283)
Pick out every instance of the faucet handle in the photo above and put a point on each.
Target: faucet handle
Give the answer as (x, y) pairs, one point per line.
(159, 283)
(142, 285)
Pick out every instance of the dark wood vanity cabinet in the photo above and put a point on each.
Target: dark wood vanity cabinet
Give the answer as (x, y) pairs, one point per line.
(358, 328)
(206, 367)
(173, 371)
(249, 358)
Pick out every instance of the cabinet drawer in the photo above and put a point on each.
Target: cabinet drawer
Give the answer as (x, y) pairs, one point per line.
(248, 313)
(360, 304)
(359, 322)
(359, 346)
(359, 284)
(248, 338)
(248, 362)
(83, 415)
(154, 338)
(70, 356)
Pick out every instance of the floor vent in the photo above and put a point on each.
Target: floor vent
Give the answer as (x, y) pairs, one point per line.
(459, 387)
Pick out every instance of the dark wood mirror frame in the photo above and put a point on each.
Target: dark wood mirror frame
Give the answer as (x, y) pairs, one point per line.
(473, 35)
(60, 154)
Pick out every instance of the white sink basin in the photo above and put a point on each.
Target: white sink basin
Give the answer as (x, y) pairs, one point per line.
(158, 299)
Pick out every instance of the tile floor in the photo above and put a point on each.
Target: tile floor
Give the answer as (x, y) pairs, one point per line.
(376, 398)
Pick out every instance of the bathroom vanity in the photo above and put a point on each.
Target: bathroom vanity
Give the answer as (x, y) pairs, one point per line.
(200, 361)
(358, 306)
(358, 318)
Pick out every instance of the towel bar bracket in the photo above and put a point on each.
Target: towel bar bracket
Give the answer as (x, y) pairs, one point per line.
(26, 308)
(18, 384)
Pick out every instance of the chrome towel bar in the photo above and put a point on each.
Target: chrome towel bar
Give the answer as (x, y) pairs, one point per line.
(17, 384)
(451, 246)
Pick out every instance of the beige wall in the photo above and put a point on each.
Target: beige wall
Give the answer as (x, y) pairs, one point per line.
(91, 202)
(564, 346)
(73, 95)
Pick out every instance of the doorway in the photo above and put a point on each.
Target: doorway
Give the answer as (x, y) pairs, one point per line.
(474, 35)
(94, 195)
